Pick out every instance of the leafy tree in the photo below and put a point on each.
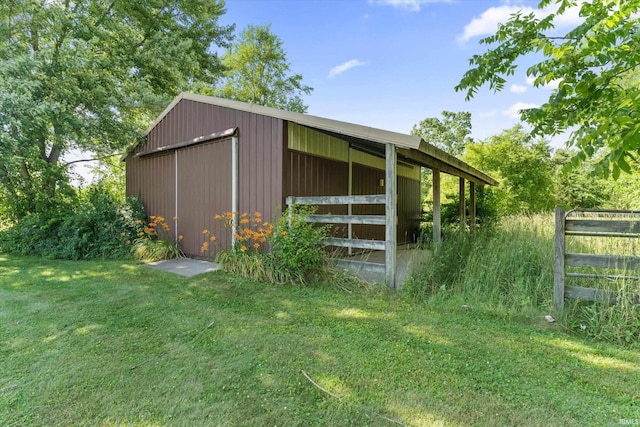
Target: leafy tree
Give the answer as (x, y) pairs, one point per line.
(592, 63)
(450, 134)
(578, 187)
(86, 75)
(522, 166)
(258, 72)
(625, 192)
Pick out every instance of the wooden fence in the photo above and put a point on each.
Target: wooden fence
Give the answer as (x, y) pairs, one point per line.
(593, 223)
(380, 245)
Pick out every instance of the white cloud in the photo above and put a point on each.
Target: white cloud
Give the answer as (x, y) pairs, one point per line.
(518, 88)
(514, 111)
(339, 69)
(487, 22)
(491, 113)
(410, 5)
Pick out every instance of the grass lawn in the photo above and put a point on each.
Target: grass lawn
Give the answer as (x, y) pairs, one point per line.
(114, 343)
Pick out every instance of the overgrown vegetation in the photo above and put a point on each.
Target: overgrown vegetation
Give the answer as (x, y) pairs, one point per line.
(129, 345)
(153, 242)
(509, 270)
(98, 226)
(296, 252)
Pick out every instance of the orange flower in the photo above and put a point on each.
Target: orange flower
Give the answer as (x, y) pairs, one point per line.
(123, 234)
(180, 237)
(205, 231)
(243, 248)
(152, 217)
(257, 215)
(140, 234)
(256, 245)
(244, 221)
(138, 222)
(229, 215)
(128, 242)
(244, 215)
(175, 217)
(257, 220)
(217, 217)
(212, 238)
(284, 233)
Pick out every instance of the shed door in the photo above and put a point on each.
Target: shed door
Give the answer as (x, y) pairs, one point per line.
(203, 190)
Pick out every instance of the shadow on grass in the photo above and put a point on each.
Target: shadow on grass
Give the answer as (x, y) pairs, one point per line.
(133, 345)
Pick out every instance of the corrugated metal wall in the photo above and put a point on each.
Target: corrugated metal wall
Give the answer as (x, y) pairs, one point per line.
(322, 170)
(204, 191)
(204, 171)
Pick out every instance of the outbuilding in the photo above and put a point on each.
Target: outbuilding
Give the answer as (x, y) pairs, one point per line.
(205, 155)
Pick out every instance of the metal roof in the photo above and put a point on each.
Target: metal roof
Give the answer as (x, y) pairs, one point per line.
(413, 147)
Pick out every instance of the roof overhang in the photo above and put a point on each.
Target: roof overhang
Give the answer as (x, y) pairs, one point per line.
(411, 148)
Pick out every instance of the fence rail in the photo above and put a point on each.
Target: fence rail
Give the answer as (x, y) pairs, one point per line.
(379, 245)
(593, 223)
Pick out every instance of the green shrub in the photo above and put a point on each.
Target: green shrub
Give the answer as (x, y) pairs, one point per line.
(98, 228)
(297, 244)
(297, 255)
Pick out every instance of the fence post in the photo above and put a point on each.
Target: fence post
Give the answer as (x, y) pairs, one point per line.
(558, 262)
(390, 215)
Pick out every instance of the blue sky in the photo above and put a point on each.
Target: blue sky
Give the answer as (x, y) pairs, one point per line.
(391, 63)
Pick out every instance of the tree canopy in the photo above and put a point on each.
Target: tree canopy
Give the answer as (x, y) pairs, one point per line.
(86, 74)
(597, 99)
(522, 166)
(258, 72)
(450, 134)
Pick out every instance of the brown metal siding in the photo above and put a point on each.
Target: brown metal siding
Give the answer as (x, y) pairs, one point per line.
(315, 176)
(260, 167)
(153, 179)
(204, 190)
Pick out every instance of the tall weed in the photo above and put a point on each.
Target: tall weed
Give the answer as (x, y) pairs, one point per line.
(510, 265)
(510, 269)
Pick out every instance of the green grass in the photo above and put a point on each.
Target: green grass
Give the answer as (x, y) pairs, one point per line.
(114, 343)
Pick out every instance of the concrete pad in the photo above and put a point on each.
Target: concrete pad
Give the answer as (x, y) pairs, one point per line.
(184, 266)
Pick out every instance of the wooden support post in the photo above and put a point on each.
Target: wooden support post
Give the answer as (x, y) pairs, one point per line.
(472, 206)
(350, 192)
(558, 262)
(390, 215)
(437, 216)
(234, 186)
(463, 207)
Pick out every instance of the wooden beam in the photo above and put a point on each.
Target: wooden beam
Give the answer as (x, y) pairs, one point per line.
(377, 245)
(620, 262)
(437, 215)
(374, 199)
(472, 205)
(558, 260)
(391, 158)
(348, 219)
(462, 208)
(360, 265)
(600, 295)
(604, 226)
(427, 161)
